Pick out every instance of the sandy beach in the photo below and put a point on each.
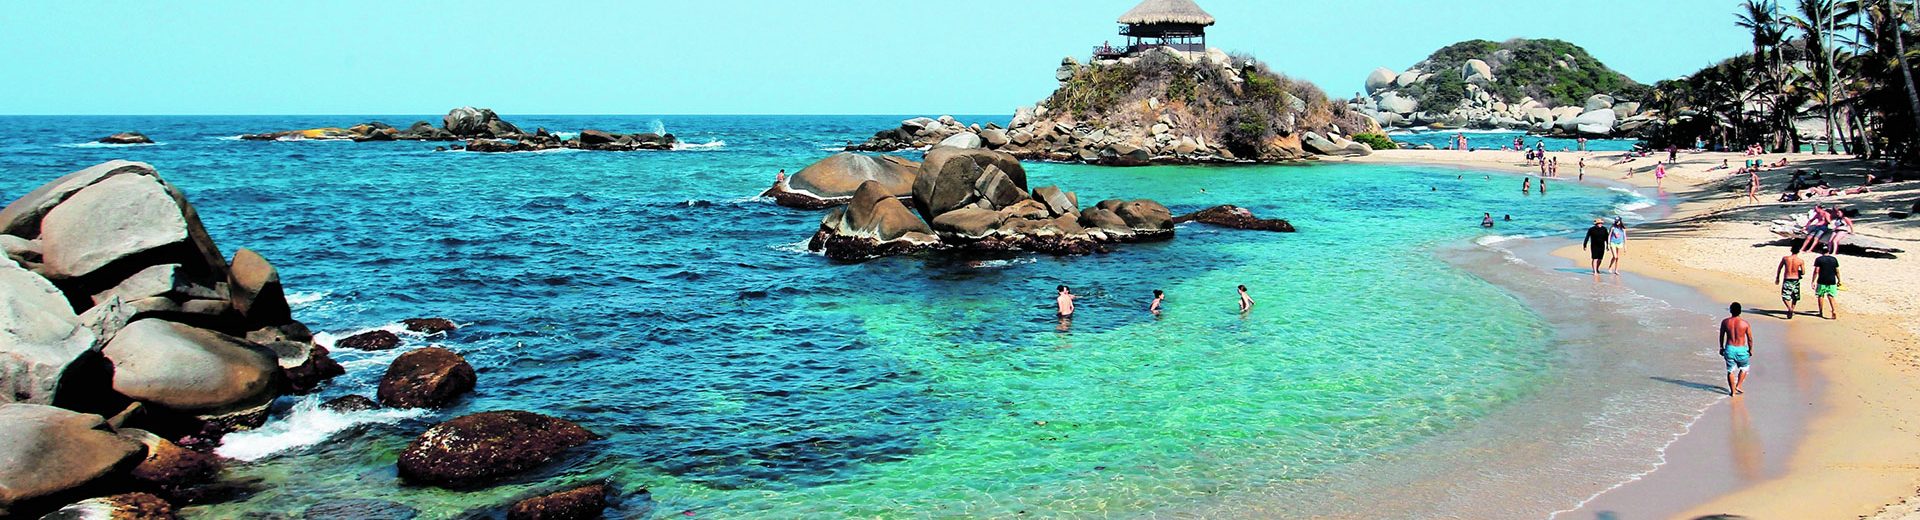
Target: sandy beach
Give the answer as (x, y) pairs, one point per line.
(1851, 462)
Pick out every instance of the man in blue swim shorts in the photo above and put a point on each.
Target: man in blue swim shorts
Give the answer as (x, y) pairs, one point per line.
(1736, 346)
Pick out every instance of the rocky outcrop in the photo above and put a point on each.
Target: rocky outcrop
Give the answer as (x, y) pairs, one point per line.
(127, 138)
(1155, 108)
(192, 370)
(483, 448)
(1237, 218)
(976, 200)
(41, 340)
(47, 450)
(580, 503)
(832, 181)
(169, 469)
(483, 131)
(254, 288)
(431, 377)
(1514, 85)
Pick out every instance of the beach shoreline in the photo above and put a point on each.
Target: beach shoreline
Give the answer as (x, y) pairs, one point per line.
(1863, 362)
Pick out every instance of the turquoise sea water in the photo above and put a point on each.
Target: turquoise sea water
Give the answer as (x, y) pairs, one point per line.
(649, 297)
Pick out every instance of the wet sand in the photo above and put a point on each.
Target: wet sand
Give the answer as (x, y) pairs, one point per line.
(1826, 430)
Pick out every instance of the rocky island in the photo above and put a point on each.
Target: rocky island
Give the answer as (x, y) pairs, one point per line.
(1534, 85)
(482, 130)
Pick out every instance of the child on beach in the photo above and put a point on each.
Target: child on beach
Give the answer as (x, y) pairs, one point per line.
(1736, 347)
(1660, 174)
(1246, 302)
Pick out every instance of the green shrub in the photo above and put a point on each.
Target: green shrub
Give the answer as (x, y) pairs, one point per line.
(1377, 141)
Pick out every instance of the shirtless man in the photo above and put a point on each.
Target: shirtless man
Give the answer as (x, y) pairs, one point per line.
(1246, 302)
(1736, 347)
(1788, 276)
(1155, 306)
(1065, 301)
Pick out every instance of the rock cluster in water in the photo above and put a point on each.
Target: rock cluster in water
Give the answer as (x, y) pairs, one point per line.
(1162, 107)
(482, 130)
(129, 344)
(119, 316)
(127, 138)
(977, 200)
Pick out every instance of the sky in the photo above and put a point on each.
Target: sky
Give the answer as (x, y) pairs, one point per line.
(736, 56)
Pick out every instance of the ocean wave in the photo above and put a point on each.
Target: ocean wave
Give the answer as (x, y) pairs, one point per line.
(1495, 239)
(305, 424)
(299, 298)
(97, 144)
(996, 264)
(715, 144)
(797, 247)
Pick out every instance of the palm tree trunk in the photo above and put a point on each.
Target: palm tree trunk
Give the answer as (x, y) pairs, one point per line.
(1900, 43)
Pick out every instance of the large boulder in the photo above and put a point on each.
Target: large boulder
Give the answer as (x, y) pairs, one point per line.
(962, 140)
(1058, 202)
(22, 217)
(484, 448)
(172, 281)
(429, 377)
(1395, 103)
(836, 177)
(468, 121)
(1598, 101)
(189, 369)
(1237, 218)
(123, 216)
(1407, 79)
(40, 338)
(254, 289)
(370, 340)
(170, 468)
(1380, 79)
(995, 137)
(1596, 123)
(1475, 70)
(875, 213)
(970, 223)
(1144, 216)
(46, 450)
(950, 178)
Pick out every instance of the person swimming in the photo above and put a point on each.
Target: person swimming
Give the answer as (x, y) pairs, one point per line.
(1486, 220)
(1246, 302)
(1157, 298)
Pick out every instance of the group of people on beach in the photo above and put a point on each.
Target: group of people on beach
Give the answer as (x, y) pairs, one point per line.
(1064, 297)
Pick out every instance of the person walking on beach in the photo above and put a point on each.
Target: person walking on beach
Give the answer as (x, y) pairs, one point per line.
(1736, 347)
(1155, 306)
(1616, 243)
(1753, 186)
(1583, 164)
(1246, 302)
(1064, 302)
(1660, 174)
(1596, 243)
(1826, 282)
(1787, 274)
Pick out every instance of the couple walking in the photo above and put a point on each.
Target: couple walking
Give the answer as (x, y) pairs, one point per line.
(1603, 239)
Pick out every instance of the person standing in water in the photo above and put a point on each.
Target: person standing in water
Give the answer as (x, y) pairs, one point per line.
(1064, 302)
(1246, 302)
(1543, 186)
(1486, 220)
(1788, 276)
(1596, 243)
(1616, 243)
(1526, 185)
(1826, 281)
(1155, 306)
(1736, 347)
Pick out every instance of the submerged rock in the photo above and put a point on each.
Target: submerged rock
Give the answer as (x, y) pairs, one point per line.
(580, 503)
(484, 448)
(173, 470)
(349, 403)
(430, 377)
(360, 509)
(1237, 218)
(124, 506)
(370, 340)
(429, 325)
(127, 138)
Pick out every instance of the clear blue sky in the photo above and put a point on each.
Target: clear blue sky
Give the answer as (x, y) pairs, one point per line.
(734, 56)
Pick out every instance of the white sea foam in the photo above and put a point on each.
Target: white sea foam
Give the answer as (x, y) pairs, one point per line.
(305, 424)
(996, 264)
(96, 144)
(715, 144)
(1495, 239)
(797, 247)
(300, 298)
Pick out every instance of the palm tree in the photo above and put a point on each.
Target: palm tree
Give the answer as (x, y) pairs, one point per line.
(1761, 18)
(1900, 43)
(1817, 22)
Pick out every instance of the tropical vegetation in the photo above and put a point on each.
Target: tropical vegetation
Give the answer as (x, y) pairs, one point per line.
(1843, 64)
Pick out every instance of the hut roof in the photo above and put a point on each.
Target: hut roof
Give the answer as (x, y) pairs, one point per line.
(1167, 11)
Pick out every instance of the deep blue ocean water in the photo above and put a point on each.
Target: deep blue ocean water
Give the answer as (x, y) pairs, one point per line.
(650, 297)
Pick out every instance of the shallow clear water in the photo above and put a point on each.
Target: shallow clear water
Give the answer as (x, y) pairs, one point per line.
(650, 298)
(1496, 139)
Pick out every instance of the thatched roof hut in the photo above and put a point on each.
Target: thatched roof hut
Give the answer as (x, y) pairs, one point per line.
(1177, 24)
(1151, 12)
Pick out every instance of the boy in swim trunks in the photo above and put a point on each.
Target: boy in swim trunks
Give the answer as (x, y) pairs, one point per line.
(1736, 346)
(1788, 276)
